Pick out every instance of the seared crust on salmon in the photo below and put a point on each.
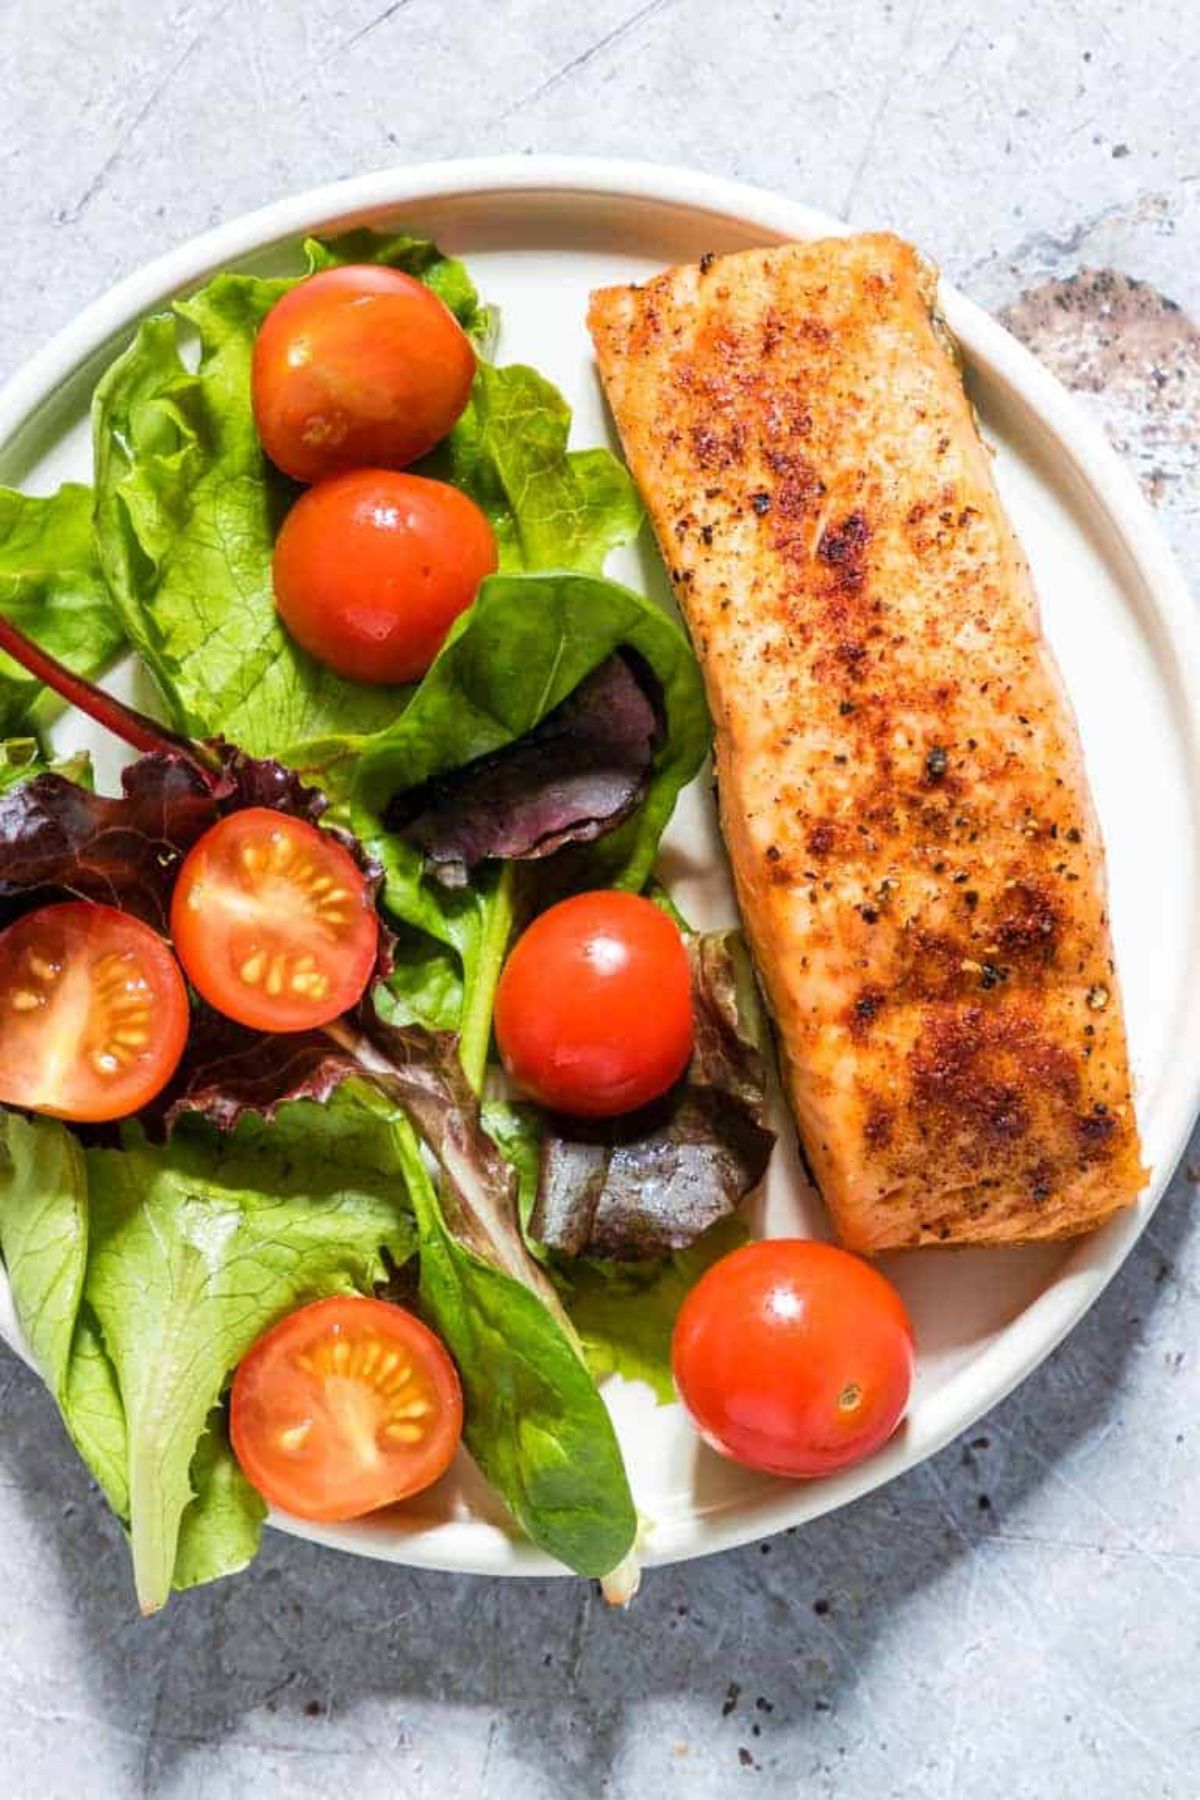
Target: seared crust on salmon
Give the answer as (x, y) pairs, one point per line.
(901, 784)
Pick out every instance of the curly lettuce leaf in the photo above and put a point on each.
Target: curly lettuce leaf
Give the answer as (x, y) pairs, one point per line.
(549, 508)
(44, 1243)
(51, 586)
(21, 759)
(418, 257)
(221, 1526)
(187, 510)
(43, 1234)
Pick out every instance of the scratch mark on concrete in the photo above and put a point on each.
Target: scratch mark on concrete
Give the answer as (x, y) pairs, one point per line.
(485, 1767)
(954, 1749)
(365, 31)
(581, 61)
(95, 186)
(579, 1635)
(886, 94)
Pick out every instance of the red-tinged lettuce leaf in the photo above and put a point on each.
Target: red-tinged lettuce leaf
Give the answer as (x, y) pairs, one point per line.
(581, 772)
(58, 838)
(655, 1181)
(228, 1071)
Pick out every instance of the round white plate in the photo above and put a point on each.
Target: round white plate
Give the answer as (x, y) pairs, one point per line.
(539, 234)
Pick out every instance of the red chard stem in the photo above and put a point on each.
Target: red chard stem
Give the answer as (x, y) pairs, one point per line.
(133, 727)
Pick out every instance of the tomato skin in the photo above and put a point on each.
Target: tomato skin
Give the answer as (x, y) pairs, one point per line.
(93, 1013)
(358, 367)
(326, 1427)
(372, 568)
(793, 1357)
(274, 922)
(594, 1005)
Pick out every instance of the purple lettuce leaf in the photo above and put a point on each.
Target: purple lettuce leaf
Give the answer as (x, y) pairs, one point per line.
(58, 839)
(579, 774)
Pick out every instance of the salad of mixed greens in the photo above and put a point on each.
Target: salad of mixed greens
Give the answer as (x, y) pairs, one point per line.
(379, 1151)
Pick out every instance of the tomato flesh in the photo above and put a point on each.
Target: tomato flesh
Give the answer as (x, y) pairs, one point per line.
(345, 1406)
(594, 1006)
(358, 367)
(93, 1013)
(274, 922)
(793, 1357)
(372, 568)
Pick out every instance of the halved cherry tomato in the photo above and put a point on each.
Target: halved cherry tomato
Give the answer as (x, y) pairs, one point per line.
(594, 1007)
(794, 1357)
(372, 569)
(274, 922)
(345, 1406)
(93, 1012)
(355, 368)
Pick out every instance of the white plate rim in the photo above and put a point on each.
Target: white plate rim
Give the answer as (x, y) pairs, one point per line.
(476, 1546)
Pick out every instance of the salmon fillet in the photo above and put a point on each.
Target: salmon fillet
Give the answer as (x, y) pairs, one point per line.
(901, 785)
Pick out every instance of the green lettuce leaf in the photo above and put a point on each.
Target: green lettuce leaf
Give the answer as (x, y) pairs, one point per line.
(549, 509)
(21, 759)
(43, 1233)
(526, 644)
(51, 587)
(625, 1312)
(44, 1242)
(141, 1276)
(188, 507)
(221, 1526)
(534, 1421)
(418, 257)
(197, 1249)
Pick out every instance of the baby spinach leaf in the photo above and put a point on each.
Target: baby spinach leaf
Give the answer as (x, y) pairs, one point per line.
(524, 647)
(51, 586)
(534, 1422)
(577, 775)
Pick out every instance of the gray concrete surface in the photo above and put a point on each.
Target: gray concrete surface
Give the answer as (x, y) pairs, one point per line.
(1020, 1617)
